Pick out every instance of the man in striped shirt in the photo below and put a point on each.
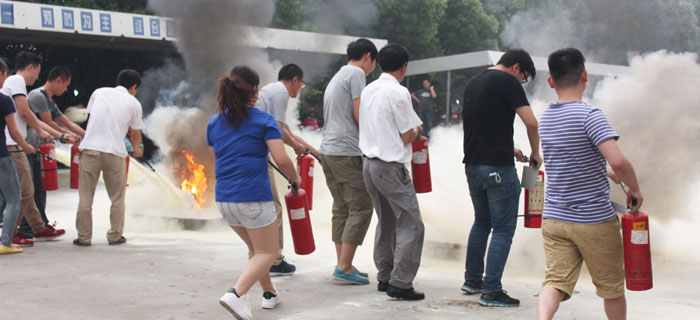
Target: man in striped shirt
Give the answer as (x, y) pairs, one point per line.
(579, 223)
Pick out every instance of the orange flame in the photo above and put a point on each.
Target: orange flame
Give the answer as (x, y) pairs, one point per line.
(194, 179)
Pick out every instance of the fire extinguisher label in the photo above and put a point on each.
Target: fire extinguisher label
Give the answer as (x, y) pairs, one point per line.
(420, 157)
(640, 237)
(639, 226)
(311, 171)
(76, 158)
(297, 214)
(536, 199)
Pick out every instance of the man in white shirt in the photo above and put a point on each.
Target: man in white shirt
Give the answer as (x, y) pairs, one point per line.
(112, 112)
(273, 99)
(388, 125)
(28, 67)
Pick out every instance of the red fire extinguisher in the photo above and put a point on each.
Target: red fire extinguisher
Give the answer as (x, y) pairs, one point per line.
(74, 166)
(49, 171)
(305, 168)
(635, 237)
(127, 170)
(534, 203)
(299, 220)
(420, 166)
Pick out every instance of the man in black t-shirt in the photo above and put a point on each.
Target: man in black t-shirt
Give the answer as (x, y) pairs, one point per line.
(424, 97)
(491, 100)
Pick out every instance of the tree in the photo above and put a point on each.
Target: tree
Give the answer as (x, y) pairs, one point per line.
(467, 28)
(413, 24)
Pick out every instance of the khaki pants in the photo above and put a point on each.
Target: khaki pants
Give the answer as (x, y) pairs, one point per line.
(113, 170)
(27, 206)
(278, 210)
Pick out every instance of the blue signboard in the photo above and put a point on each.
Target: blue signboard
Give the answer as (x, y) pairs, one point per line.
(170, 28)
(105, 22)
(47, 17)
(68, 22)
(155, 27)
(8, 16)
(86, 21)
(138, 26)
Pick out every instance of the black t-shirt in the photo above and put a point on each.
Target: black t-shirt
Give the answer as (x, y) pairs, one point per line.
(7, 107)
(490, 100)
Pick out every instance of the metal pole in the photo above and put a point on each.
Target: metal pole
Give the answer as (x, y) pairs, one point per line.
(447, 98)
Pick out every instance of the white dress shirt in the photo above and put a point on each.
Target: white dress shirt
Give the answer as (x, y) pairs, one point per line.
(112, 112)
(386, 112)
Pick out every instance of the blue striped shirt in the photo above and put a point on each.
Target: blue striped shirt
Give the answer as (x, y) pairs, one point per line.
(577, 186)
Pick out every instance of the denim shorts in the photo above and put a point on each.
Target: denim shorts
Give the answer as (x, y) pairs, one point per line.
(251, 215)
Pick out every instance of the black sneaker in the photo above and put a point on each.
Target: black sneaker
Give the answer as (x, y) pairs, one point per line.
(472, 286)
(498, 299)
(283, 269)
(405, 294)
(381, 286)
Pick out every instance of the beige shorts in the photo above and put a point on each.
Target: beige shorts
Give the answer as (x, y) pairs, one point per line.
(250, 215)
(352, 205)
(567, 245)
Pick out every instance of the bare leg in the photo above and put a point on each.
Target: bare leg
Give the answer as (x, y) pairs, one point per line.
(548, 302)
(347, 254)
(616, 309)
(263, 247)
(338, 249)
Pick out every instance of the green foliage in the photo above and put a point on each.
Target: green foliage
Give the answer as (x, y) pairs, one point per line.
(413, 24)
(467, 28)
(290, 14)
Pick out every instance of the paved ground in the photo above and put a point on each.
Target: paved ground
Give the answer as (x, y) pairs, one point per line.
(164, 272)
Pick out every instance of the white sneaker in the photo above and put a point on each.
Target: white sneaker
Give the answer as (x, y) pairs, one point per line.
(270, 300)
(238, 306)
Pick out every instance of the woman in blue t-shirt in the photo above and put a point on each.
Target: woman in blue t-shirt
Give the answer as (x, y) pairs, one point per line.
(241, 137)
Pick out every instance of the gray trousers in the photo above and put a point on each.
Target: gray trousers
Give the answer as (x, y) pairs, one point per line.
(398, 242)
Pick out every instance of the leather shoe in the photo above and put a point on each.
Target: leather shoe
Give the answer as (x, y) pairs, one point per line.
(405, 294)
(120, 241)
(381, 286)
(77, 242)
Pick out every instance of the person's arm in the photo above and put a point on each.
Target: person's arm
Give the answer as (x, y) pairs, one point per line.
(16, 135)
(136, 142)
(528, 118)
(432, 92)
(356, 109)
(622, 170)
(279, 155)
(30, 118)
(413, 134)
(296, 142)
(46, 118)
(413, 96)
(64, 121)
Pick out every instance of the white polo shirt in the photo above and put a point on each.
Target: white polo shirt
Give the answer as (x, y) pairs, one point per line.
(112, 112)
(386, 112)
(15, 86)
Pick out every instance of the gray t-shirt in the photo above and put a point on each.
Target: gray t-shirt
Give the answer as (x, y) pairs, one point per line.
(273, 99)
(39, 102)
(341, 135)
(425, 98)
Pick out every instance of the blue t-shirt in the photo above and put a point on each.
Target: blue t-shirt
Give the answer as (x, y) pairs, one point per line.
(7, 107)
(241, 156)
(577, 185)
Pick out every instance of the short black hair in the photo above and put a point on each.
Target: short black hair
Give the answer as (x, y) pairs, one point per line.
(246, 74)
(566, 66)
(24, 59)
(59, 72)
(520, 57)
(392, 57)
(288, 72)
(359, 48)
(128, 77)
(3, 66)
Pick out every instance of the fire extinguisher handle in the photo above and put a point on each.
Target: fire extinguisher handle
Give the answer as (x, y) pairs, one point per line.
(634, 205)
(295, 188)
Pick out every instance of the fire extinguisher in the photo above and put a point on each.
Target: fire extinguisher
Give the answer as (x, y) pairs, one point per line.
(299, 220)
(534, 203)
(635, 237)
(127, 170)
(420, 166)
(305, 168)
(74, 167)
(49, 171)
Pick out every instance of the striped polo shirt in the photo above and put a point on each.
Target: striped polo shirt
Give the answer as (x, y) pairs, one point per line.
(577, 186)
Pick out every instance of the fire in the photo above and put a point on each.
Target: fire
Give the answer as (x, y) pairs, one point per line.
(194, 179)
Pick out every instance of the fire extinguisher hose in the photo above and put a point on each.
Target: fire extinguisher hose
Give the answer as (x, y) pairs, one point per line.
(634, 200)
(295, 186)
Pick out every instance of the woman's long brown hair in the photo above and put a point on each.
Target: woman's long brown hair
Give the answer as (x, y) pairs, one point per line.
(235, 94)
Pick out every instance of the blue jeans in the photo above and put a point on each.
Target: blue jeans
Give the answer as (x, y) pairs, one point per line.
(495, 193)
(427, 118)
(9, 199)
(39, 193)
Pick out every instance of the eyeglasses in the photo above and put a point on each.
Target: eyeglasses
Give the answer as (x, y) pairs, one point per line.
(525, 79)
